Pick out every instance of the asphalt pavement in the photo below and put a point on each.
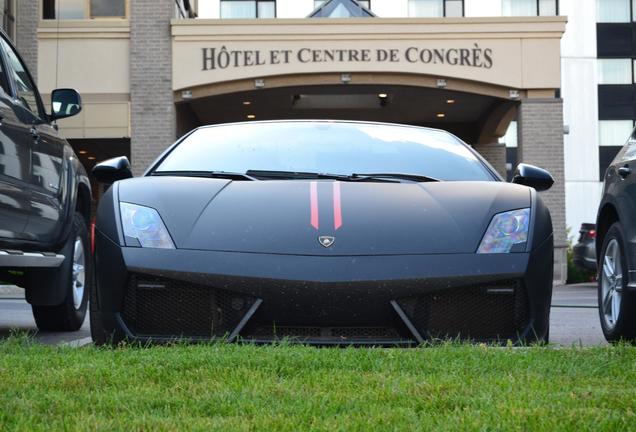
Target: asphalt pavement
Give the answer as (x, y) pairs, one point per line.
(574, 318)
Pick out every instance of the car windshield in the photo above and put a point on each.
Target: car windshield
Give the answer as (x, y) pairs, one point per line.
(326, 147)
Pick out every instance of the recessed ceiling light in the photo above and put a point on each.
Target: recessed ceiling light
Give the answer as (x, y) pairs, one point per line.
(450, 101)
(383, 95)
(91, 158)
(251, 116)
(247, 103)
(441, 115)
(83, 152)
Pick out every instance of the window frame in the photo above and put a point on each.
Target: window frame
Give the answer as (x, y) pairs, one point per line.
(444, 12)
(256, 2)
(41, 115)
(87, 12)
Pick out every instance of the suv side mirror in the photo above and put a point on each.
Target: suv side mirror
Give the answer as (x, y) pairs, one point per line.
(112, 170)
(65, 103)
(532, 176)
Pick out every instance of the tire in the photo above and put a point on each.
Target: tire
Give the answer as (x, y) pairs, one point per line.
(616, 305)
(99, 334)
(75, 277)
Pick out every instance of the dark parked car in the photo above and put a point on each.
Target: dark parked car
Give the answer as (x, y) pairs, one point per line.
(616, 243)
(584, 251)
(44, 200)
(324, 232)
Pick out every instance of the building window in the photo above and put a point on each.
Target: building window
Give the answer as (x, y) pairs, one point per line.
(248, 9)
(614, 132)
(83, 9)
(108, 8)
(8, 18)
(436, 8)
(615, 71)
(613, 11)
(548, 7)
(530, 7)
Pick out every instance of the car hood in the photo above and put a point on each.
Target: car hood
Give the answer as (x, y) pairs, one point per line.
(295, 216)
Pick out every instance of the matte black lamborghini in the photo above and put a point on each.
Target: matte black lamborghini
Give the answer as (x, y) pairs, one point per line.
(324, 232)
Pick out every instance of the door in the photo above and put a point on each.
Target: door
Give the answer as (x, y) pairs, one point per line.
(47, 165)
(15, 166)
(46, 152)
(624, 171)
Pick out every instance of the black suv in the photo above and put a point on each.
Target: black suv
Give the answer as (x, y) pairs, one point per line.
(45, 200)
(616, 246)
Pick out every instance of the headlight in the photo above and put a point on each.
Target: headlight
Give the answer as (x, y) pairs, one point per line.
(506, 230)
(145, 225)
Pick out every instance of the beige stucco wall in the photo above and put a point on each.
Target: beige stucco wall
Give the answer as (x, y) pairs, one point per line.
(525, 51)
(92, 56)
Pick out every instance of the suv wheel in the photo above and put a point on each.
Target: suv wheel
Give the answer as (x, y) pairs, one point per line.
(76, 276)
(616, 304)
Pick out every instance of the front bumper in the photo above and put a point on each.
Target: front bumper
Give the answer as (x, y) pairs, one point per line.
(162, 295)
(584, 256)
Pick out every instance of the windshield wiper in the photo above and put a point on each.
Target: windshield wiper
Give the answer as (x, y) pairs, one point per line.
(206, 174)
(296, 175)
(374, 177)
(398, 176)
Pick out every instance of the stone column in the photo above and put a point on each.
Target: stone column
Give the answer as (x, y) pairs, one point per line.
(27, 16)
(152, 103)
(541, 144)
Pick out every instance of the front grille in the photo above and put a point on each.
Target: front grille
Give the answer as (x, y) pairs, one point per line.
(173, 309)
(333, 334)
(492, 312)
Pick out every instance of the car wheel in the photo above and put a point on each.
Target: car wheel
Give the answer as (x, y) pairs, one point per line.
(76, 277)
(616, 305)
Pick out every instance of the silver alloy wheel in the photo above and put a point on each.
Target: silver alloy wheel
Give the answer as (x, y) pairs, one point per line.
(611, 284)
(79, 275)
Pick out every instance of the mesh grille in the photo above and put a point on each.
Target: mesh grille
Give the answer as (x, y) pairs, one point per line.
(478, 313)
(169, 308)
(324, 333)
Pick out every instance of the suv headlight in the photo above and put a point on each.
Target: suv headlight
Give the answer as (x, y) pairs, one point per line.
(145, 225)
(506, 230)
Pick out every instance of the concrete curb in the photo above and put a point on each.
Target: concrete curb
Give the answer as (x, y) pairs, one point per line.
(11, 291)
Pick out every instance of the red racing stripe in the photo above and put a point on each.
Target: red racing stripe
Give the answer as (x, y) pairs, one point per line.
(313, 190)
(337, 208)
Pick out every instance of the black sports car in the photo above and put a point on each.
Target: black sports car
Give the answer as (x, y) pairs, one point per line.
(325, 232)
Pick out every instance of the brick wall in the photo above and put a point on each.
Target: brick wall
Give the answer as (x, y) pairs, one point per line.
(27, 17)
(541, 144)
(495, 154)
(152, 102)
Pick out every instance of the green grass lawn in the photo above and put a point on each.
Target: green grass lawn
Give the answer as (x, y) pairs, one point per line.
(233, 387)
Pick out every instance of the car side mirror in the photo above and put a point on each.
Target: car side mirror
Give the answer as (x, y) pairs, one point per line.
(65, 103)
(112, 170)
(532, 176)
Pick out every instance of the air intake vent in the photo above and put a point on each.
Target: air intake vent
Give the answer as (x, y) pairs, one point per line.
(493, 312)
(174, 309)
(324, 334)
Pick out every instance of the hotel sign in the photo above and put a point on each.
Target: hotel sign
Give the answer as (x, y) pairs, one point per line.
(509, 53)
(219, 58)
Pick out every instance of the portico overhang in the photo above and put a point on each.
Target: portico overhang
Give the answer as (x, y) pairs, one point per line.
(512, 53)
